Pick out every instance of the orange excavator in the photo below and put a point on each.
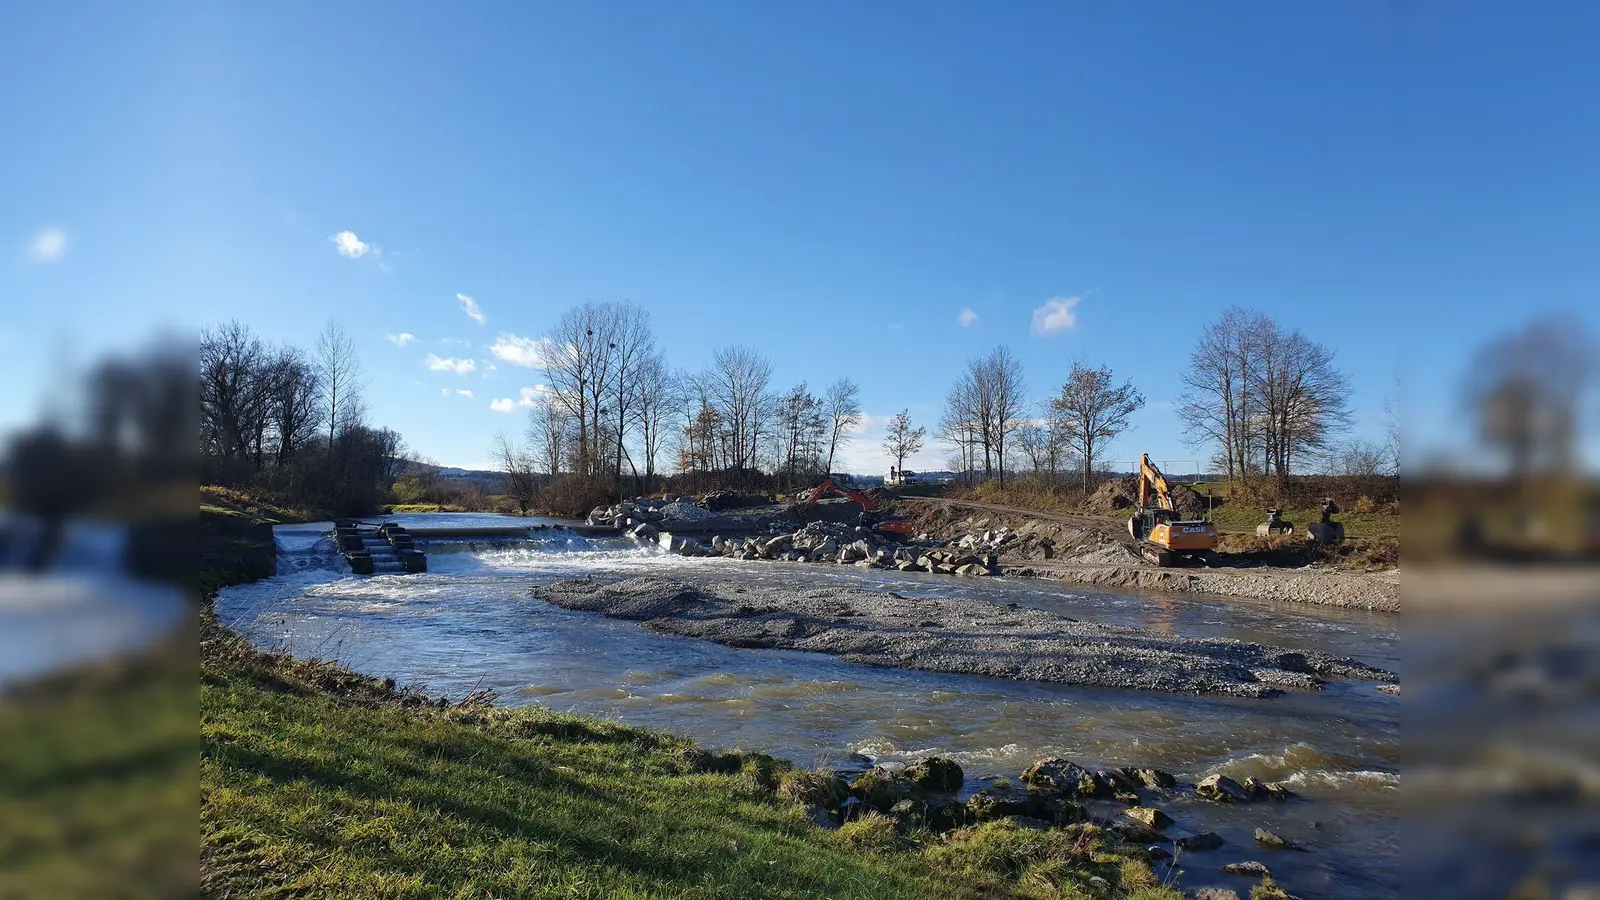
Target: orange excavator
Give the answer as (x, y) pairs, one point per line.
(844, 485)
(1164, 538)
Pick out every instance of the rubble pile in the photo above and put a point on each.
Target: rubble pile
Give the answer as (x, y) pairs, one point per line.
(661, 513)
(828, 542)
(716, 501)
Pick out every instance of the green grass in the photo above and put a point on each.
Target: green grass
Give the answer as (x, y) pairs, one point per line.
(318, 782)
(221, 501)
(1369, 526)
(97, 780)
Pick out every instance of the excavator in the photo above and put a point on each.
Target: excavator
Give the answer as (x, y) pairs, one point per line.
(844, 485)
(1163, 537)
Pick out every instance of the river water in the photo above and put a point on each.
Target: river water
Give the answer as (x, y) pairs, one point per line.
(469, 623)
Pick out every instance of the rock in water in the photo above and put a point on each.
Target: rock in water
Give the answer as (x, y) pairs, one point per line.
(1213, 893)
(936, 774)
(1205, 840)
(1148, 815)
(1222, 789)
(1275, 841)
(1250, 868)
(1055, 774)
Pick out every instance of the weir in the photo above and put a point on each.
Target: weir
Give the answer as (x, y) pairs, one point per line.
(373, 549)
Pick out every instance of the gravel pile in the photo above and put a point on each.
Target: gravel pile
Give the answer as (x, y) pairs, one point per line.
(954, 635)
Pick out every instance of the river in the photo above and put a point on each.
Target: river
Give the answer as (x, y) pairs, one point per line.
(469, 623)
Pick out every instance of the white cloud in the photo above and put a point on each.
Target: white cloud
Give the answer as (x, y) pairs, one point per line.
(464, 392)
(470, 307)
(350, 245)
(49, 245)
(1058, 314)
(450, 364)
(401, 339)
(520, 351)
(966, 318)
(529, 396)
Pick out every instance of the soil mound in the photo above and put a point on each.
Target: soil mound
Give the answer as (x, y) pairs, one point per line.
(1123, 493)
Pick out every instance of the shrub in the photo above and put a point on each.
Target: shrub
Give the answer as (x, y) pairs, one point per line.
(813, 789)
(872, 832)
(1005, 848)
(1365, 505)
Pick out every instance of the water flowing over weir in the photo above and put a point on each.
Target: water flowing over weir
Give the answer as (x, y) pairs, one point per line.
(469, 623)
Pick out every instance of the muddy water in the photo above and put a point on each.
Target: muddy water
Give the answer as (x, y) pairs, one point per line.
(469, 623)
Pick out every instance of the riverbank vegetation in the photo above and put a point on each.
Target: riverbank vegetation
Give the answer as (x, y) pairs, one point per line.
(318, 780)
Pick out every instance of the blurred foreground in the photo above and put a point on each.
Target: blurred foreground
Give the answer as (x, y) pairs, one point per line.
(1502, 779)
(98, 701)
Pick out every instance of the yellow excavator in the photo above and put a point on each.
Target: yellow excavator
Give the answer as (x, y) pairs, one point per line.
(1164, 538)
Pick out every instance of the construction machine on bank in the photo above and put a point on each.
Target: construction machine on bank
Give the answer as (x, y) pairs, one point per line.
(871, 516)
(1163, 536)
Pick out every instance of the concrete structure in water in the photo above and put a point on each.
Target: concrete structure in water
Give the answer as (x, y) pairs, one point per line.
(374, 549)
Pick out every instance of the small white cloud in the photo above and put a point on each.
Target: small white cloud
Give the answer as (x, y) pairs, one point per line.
(529, 397)
(966, 318)
(401, 339)
(520, 351)
(49, 245)
(350, 245)
(450, 364)
(1058, 314)
(470, 307)
(464, 392)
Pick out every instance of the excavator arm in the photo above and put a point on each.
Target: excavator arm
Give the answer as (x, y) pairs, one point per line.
(1150, 478)
(829, 486)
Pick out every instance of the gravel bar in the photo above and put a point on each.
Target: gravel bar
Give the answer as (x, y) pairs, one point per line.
(949, 634)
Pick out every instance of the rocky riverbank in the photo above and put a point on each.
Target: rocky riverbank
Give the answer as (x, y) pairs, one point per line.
(954, 635)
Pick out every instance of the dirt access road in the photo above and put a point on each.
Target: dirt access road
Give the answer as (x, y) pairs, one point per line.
(1096, 550)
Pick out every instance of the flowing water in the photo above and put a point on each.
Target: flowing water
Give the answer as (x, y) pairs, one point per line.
(469, 623)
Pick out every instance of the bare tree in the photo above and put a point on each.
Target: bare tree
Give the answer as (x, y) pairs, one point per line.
(959, 426)
(579, 358)
(549, 433)
(903, 440)
(294, 403)
(1300, 399)
(236, 392)
(1092, 411)
(1004, 375)
(1218, 397)
(339, 371)
(1033, 439)
(633, 347)
(1358, 458)
(842, 406)
(740, 380)
(658, 397)
(522, 484)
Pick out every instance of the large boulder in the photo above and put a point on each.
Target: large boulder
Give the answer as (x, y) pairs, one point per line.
(1148, 816)
(1222, 789)
(989, 804)
(936, 774)
(1149, 777)
(1054, 774)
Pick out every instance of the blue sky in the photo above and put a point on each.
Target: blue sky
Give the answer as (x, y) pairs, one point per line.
(832, 183)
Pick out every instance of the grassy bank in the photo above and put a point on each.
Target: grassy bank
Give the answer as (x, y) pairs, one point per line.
(317, 781)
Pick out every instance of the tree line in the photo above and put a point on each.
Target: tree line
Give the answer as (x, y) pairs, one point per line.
(292, 422)
(615, 416)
